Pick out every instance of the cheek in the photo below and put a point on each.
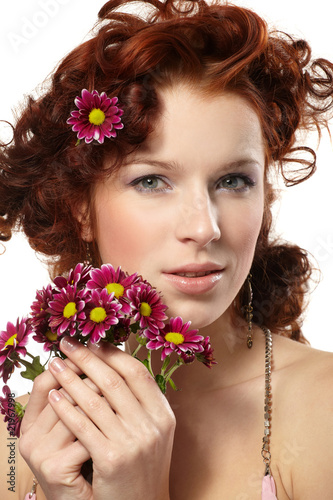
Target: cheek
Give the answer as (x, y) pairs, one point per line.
(124, 237)
(243, 232)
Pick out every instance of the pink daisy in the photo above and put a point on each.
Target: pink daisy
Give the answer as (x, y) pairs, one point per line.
(12, 410)
(14, 339)
(101, 313)
(206, 356)
(119, 333)
(66, 309)
(44, 335)
(148, 308)
(176, 337)
(116, 282)
(8, 366)
(78, 277)
(188, 357)
(39, 307)
(97, 116)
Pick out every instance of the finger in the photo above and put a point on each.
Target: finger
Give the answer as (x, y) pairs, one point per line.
(78, 423)
(90, 402)
(136, 375)
(47, 419)
(46, 462)
(89, 383)
(38, 398)
(111, 384)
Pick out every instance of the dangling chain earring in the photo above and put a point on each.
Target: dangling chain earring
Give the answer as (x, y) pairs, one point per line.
(88, 255)
(249, 312)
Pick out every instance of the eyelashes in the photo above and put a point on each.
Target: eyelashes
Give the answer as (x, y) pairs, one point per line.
(157, 184)
(229, 182)
(150, 183)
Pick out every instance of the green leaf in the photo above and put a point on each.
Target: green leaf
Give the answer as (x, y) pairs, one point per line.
(19, 410)
(32, 369)
(145, 362)
(135, 327)
(109, 336)
(160, 380)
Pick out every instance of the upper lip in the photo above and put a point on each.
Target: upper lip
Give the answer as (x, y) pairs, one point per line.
(196, 268)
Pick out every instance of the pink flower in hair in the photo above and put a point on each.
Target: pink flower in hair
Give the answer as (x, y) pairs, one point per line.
(97, 116)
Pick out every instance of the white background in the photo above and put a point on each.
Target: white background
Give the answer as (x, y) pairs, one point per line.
(36, 34)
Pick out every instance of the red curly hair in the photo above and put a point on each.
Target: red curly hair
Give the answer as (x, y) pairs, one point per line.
(44, 177)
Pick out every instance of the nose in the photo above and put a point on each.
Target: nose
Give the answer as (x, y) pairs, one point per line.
(198, 220)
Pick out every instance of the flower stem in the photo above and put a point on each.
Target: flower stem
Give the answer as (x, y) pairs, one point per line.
(150, 369)
(173, 369)
(48, 359)
(165, 365)
(136, 350)
(30, 355)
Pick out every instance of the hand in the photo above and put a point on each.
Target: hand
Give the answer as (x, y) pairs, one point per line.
(49, 447)
(128, 433)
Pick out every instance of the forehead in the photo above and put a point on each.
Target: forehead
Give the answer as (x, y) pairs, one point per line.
(193, 125)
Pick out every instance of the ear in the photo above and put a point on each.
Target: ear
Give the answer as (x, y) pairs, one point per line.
(83, 216)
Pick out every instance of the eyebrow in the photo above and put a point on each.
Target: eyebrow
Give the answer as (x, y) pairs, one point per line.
(166, 165)
(237, 165)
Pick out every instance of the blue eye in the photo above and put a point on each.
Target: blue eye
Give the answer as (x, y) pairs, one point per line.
(235, 182)
(150, 183)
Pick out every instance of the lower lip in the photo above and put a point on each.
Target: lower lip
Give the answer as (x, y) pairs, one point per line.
(194, 286)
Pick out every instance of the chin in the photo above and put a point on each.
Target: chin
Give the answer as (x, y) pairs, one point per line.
(200, 317)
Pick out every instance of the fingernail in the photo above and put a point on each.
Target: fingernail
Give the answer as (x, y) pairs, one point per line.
(69, 344)
(55, 395)
(58, 365)
(94, 346)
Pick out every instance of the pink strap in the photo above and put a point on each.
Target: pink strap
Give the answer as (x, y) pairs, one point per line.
(268, 489)
(32, 497)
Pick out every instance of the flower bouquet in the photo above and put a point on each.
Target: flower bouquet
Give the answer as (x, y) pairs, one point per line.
(97, 305)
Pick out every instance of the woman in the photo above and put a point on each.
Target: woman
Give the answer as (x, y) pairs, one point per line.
(210, 103)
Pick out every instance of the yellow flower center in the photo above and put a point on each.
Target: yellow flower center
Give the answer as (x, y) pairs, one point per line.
(96, 116)
(115, 288)
(69, 310)
(98, 314)
(174, 337)
(145, 309)
(51, 335)
(11, 340)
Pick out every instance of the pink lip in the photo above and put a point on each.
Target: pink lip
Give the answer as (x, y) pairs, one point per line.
(195, 268)
(195, 285)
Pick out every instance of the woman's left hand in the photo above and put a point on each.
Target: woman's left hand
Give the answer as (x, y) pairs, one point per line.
(128, 433)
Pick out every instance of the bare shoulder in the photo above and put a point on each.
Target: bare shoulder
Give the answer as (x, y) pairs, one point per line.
(299, 366)
(290, 356)
(16, 477)
(303, 418)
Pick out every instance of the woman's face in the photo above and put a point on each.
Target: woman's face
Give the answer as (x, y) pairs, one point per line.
(186, 210)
